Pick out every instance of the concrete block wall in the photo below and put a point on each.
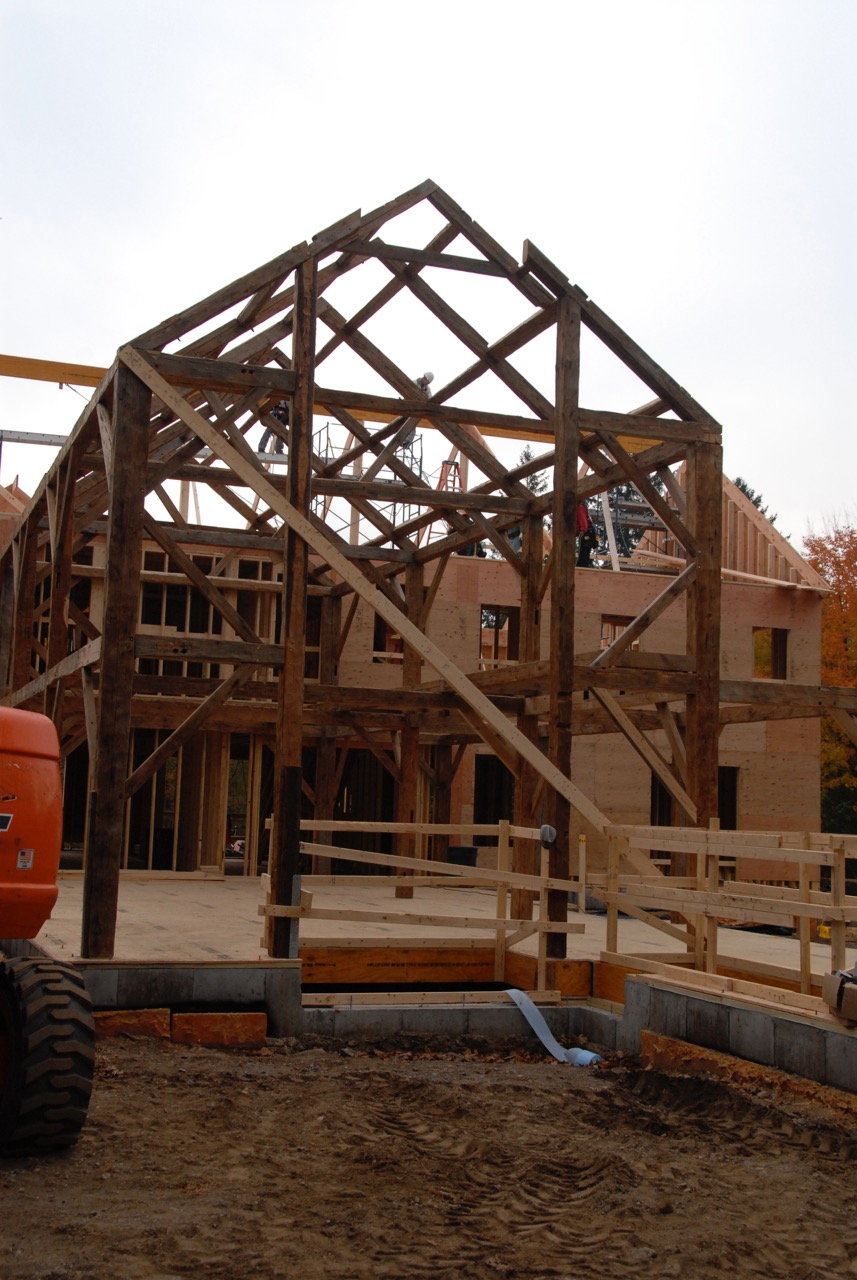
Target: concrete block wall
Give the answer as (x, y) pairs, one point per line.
(275, 985)
(817, 1049)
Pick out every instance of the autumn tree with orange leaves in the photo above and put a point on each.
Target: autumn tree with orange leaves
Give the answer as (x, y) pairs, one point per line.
(833, 554)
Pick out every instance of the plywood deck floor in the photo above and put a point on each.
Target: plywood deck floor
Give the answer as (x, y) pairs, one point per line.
(165, 919)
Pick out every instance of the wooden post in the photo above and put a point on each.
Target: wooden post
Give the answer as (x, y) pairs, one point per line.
(504, 863)
(613, 851)
(190, 792)
(526, 783)
(704, 502)
(25, 587)
(216, 807)
(7, 621)
(325, 753)
(409, 765)
(562, 595)
(288, 772)
(441, 798)
(544, 914)
(61, 540)
(838, 927)
(106, 819)
(803, 925)
(581, 874)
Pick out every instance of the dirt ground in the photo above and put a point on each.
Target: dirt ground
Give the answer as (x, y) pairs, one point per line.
(310, 1162)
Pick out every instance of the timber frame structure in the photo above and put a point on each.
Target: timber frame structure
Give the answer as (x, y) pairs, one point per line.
(177, 405)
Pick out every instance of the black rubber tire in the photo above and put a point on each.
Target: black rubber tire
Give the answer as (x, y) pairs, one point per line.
(47, 1055)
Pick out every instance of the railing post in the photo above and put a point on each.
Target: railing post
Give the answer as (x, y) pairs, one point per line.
(837, 927)
(612, 892)
(542, 966)
(504, 862)
(804, 929)
(581, 874)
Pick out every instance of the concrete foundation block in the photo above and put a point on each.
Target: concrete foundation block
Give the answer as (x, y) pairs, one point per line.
(707, 1024)
(636, 1017)
(501, 1021)
(668, 1013)
(448, 1021)
(102, 983)
(313, 1022)
(751, 1035)
(840, 1058)
(149, 986)
(370, 1023)
(282, 996)
(799, 1048)
(597, 1025)
(220, 985)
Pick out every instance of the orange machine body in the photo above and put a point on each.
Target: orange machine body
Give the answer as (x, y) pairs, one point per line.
(30, 821)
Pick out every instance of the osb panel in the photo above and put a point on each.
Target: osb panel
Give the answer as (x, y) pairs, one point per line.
(778, 792)
(608, 981)
(573, 978)
(383, 965)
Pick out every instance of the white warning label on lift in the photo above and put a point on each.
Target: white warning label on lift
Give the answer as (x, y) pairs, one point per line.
(25, 859)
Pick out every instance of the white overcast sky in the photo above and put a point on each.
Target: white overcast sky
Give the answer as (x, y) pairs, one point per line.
(689, 163)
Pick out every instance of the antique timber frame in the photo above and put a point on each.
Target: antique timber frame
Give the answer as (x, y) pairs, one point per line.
(177, 405)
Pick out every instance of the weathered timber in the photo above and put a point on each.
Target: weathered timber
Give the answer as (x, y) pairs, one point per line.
(378, 601)
(131, 407)
(561, 686)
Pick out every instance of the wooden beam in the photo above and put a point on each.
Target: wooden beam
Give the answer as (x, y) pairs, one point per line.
(561, 684)
(60, 371)
(131, 413)
(320, 543)
(288, 771)
(186, 730)
(705, 496)
(423, 257)
(86, 656)
(645, 619)
(194, 574)
(648, 753)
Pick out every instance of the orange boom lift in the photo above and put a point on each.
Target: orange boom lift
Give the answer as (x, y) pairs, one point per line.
(46, 1027)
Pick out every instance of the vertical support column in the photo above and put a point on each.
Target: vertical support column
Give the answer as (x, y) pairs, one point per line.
(562, 595)
(407, 795)
(704, 514)
(504, 861)
(803, 928)
(106, 817)
(190, 804)
(838, 886)
(7, 620)
(527, 782)
(25, 590)
(288, 772)
(441, 798)
(325, 755)
(614, 849)
(61, 535)
(216, 809)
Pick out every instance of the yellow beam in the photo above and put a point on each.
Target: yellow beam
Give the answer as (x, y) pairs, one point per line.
(77, 375)
(88, 375)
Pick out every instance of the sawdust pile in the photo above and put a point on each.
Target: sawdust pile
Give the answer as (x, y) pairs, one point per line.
(310, 1163)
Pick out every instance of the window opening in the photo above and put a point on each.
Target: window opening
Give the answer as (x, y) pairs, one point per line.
(500, 635)
(770, 653)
